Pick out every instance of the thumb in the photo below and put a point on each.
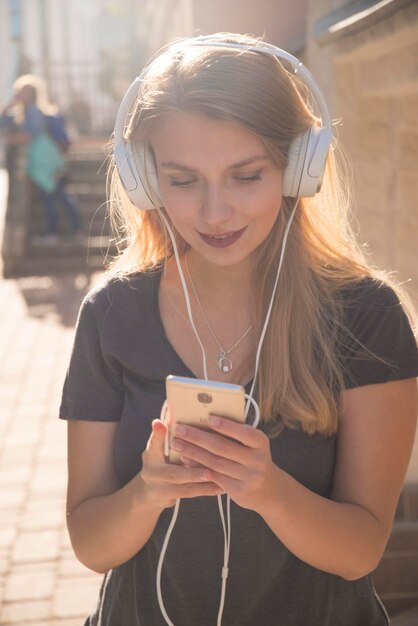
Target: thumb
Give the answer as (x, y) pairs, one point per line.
(156, 440)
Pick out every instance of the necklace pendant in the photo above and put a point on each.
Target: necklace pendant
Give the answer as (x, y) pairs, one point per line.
(224, 363)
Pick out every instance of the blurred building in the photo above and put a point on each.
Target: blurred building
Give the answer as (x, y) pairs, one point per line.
(282, 22)
(85, 51)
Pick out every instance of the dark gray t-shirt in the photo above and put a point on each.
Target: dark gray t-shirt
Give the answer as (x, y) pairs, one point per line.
(117, 372)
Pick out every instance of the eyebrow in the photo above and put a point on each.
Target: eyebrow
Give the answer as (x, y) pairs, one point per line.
(185, 168)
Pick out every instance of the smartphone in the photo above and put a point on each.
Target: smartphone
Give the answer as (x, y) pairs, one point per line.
(191, 401)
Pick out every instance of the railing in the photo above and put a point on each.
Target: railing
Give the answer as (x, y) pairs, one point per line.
(83, 94)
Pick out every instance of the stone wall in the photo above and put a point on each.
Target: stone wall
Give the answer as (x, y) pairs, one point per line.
(368, 71)
(376, 82)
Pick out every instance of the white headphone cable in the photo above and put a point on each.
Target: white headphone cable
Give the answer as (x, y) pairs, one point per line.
(226, 526)
(276, 282)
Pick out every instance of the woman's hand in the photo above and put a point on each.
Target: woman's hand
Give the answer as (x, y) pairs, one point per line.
(237, 458)
(165, 482)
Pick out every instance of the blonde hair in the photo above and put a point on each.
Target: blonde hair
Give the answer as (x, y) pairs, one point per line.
(300, 378)
(39, 93)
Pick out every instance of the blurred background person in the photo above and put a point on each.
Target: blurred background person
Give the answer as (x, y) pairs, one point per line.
(29, 118)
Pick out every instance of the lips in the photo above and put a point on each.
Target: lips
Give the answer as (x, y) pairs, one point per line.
(222, 240)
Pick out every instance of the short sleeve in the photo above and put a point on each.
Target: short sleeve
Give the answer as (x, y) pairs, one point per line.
(379, 345)
(93, 387)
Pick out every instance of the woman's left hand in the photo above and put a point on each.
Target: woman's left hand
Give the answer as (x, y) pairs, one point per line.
(238, 457)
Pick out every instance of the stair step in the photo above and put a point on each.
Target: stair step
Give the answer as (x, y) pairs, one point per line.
(46, 267)
(404, 537)
(396, 577)
(87, 189)
(86, 175)
(87, 165)
(67, 247)
(407, 618)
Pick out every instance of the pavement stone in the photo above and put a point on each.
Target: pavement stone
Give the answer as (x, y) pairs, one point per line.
(41, 582)
(22, 613)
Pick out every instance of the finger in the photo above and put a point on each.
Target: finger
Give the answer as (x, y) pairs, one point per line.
(226, 483)
(158, 430)
(180, 474)
(194, 491)
(244, 433)
(210, 441)
(200, 456)
(189, 462)
(156, 441)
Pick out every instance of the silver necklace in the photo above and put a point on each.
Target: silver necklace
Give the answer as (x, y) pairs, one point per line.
(224, 360)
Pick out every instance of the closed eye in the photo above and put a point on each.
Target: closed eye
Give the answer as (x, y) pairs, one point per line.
(247, 179)
(182, 183)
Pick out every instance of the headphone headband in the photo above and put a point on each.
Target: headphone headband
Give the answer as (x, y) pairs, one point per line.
(267, 48)
(306, 157)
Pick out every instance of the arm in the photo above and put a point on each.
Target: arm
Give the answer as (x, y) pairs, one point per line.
(15, 138)
(347, 534)
(107, 523)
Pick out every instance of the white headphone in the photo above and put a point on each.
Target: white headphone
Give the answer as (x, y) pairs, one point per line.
(306, 157)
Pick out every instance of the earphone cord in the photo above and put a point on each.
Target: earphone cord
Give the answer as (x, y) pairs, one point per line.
(226, 526)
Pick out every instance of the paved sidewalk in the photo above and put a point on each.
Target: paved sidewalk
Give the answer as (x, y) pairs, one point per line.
(41, 583)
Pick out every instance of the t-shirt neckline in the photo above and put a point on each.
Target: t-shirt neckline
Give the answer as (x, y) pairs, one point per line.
(169, 346)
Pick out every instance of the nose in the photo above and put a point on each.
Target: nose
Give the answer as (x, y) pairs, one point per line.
(215, 208)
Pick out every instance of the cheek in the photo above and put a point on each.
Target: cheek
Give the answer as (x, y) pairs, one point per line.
(267, 211)
(177, 201)
(181, 216)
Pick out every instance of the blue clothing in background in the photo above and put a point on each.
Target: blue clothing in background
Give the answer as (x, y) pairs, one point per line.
(46, 165)
(35, 122)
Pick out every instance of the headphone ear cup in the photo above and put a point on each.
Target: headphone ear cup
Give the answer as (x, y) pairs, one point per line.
(307, 157)
(296, 157)
(146, 174)
(138, 173)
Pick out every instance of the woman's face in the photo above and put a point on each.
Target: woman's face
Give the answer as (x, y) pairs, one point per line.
(219, 185)
(26, 95)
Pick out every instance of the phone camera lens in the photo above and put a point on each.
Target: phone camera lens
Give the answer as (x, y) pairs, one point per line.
(204, 398)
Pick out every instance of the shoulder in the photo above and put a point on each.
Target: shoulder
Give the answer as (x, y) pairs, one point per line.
(376, 342)
(366, 294)
(119, 295)
(368, 303)
(372, 308)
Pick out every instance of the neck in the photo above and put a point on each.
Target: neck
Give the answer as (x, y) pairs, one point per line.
(232, 282)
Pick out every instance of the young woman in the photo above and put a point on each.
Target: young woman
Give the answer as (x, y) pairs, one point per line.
(216, 132)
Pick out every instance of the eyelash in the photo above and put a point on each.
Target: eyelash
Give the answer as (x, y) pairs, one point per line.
(244, 180)
(181, 184)
(248, 179)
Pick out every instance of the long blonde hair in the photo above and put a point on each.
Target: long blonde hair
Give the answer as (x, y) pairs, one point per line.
(300, 378)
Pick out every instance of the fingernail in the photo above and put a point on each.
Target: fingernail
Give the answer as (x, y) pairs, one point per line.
(214, 420)
(180, 429)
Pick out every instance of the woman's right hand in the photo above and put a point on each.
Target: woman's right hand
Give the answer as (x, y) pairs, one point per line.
(165, 482)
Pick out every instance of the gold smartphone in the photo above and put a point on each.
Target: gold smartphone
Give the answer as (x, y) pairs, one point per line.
(191, 401)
